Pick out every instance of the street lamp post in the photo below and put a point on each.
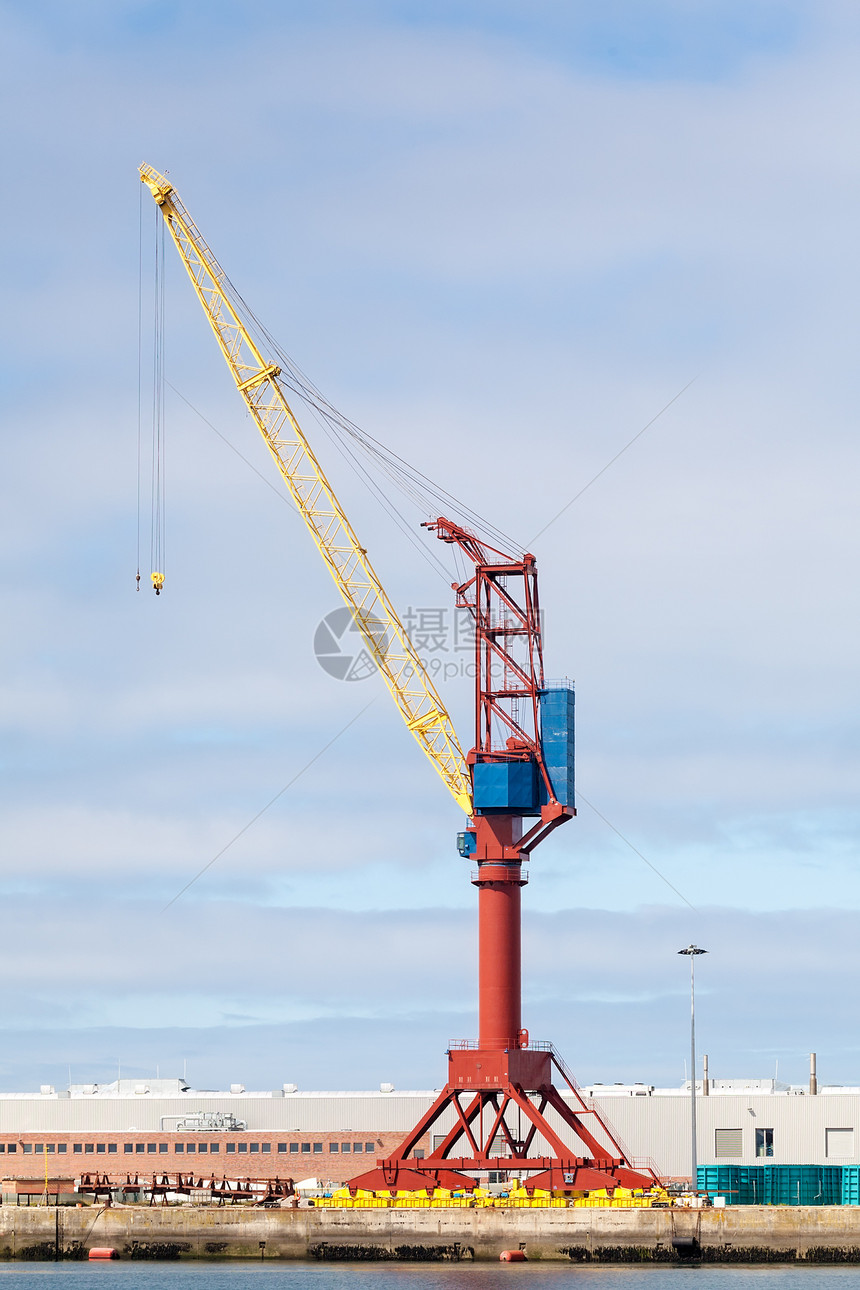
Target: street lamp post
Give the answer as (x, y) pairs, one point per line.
(691, 952)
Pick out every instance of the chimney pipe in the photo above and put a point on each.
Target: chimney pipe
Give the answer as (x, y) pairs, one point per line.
(813, 1075)
(705, 1084)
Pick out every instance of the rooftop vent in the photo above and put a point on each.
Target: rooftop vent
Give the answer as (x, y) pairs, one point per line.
(386, 1088)
(291, 1088)
(237, 1088)
(209, 1121)
(47, 1089)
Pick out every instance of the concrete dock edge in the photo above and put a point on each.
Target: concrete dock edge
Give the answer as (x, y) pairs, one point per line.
(748, 1234)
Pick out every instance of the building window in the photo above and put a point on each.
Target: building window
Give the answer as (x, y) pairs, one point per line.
(231, 1146)
(49, 1148)
(128, 1147)
(11, 1147)
(356, 1146)
(728, 1144)
(368, 1147)
(190, 1147)
(139, 1148)
(243, 1146)
(178, 1147)
(282, 1148)
(266, 1146)
(764, 1142)
(150, 1148)
(27, 1148)
(332, 1146)
(839, 1143)
(345, 1148)
(317, 1148)
(162, 1147)
(77, 1149)
(201, 1146)
(294, 1146)
(89, 1148)
(306, 1148)
(214, 1146)
(100, 1148)
(254, 1146)
(418, 1153)
(2, 1147)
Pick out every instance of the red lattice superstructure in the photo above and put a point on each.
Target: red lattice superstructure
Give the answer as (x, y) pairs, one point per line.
(500, 1109)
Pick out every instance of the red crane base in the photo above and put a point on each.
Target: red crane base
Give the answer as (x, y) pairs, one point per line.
(500, 1098)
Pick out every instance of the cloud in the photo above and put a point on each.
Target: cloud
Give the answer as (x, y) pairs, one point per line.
(607, 988)
(502, 241)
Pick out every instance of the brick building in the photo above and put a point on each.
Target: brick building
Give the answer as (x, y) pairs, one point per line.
(143, 1127)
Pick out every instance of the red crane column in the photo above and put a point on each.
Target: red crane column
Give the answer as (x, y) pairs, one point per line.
(499, 880)
(499, 955)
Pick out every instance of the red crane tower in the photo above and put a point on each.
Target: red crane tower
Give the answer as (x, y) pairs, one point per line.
(508, 1115)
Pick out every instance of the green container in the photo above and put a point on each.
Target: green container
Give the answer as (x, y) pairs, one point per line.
(803, 1184)
(851, 1184)
(779, 1184)
(739, 1184)
(719, 1180)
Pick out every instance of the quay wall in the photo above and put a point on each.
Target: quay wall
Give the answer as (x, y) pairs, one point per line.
(741, 1234)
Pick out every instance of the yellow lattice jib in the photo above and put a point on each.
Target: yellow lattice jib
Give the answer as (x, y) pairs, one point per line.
(257, 381)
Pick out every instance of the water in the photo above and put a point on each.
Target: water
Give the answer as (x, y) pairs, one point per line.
(485, 1276)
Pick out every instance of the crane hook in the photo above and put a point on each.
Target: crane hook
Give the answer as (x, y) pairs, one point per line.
(157, 583)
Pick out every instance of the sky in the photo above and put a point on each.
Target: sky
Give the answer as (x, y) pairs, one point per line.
(503, 238)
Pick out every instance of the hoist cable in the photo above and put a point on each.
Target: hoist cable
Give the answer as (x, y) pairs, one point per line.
(413, 483)
(378, 493)
(153, 476)
(139, 363)
(158, 500)
(407, 478)
(369, 483)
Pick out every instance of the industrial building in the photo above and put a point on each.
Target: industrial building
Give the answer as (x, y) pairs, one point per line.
(143, 1126)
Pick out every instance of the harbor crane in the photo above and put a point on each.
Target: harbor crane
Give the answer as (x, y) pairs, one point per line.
(515, 785)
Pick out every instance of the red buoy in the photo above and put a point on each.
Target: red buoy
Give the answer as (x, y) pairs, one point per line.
(103, 1252)
(513, 1256)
